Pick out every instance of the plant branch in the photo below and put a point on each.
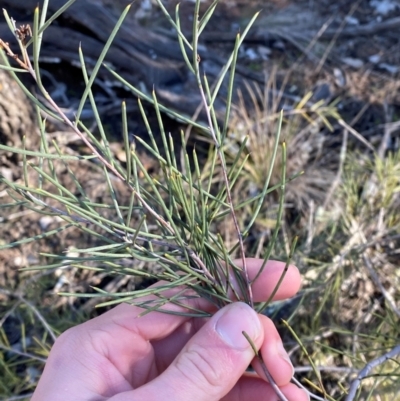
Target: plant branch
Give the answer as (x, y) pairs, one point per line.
(34, 310)
(375, 278)
(83, 137)
(25, 354)
(228, 192)
(364, 372)
(270, 379)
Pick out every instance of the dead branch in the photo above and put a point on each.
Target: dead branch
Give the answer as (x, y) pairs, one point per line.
(367, 370)
(375, 278)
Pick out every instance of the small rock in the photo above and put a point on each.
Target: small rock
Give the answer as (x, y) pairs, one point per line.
(33, 374)
(60, 282)
(351, 20)
(32, 259)
(6, 173)
(353, 62)
(19, 261)
(384, 7)
(45, 221)
(146, 5)
(251, 54)
(144, 10)
(279, 44)
(375, 58)
(322, 91)
(264, 52)
(392, 69)
(340, 79)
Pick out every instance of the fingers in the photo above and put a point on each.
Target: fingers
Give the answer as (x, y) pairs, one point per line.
(155, 326)
(269, 278)
(209, 358)
(134, 332)
(274, 355)
(212, 361)
(251, 388)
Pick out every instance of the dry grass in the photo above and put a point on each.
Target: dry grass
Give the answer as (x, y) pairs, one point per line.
(345, 208)
(313, 155)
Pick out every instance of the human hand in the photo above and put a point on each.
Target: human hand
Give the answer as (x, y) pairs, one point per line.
(119, 356)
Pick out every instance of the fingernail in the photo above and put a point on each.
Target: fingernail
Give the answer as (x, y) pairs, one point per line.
(284, 355)
(233, 320)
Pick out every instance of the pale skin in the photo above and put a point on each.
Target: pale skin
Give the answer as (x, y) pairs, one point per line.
(119, 356)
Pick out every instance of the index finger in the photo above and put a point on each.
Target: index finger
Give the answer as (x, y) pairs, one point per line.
(265, 284)
(157, 325)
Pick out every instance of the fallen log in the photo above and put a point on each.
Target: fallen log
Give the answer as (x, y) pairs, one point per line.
(140, 55)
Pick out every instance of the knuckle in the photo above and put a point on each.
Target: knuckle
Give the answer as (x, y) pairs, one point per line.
(199, 367)
(69, 339)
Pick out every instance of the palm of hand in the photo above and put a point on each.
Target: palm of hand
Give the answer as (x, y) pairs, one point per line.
(120, 356)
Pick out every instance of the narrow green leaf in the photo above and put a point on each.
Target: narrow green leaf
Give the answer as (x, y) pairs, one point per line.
(195, 38)
(268, 179)
(215, 126)
(230, 88)
(44, 155)
(125, 135)
(11, 69)
(182, 41)
(54, 17)
(207, 15)
(103, 145)
(41, 23)
(227, 66)
(263, 305)
(35, 237)
(172, 22)
(164, 109)
(100, 61)
(36, 53)
(161, 127)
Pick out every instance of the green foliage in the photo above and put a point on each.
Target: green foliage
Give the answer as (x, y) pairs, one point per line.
(180, 203)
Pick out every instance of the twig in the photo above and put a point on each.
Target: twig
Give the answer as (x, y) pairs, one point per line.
(367, 29)
(335, 37)
(10, 53)
(34, 310)
(228, 194)
(377, 281)
(356, 134)
(261, 35)
(338, 369)
(25, 354)
(270, 379)
(9, 313)
(17, 397)
(311, 395)
(86, 141)
(337, 180)
(367, 369)
(310, 229)
(387, 131)
(203, 267)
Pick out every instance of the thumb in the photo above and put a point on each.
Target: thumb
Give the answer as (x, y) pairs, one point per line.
(212, 361)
